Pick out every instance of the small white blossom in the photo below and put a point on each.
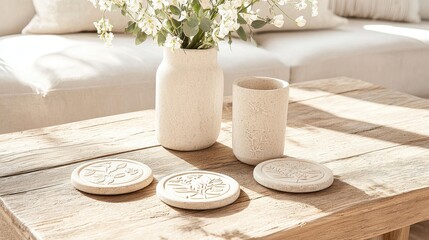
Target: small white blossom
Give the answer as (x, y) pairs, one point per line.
(229, 15)
(314, 9)
(301, 21)
(159, 4)
(132, 5)
(105, 5)
(149, 25)
(301, 5)
(104, 31)
(237, 3)
(103, 26)
(173, 42)
(278, 21)
(183, 2)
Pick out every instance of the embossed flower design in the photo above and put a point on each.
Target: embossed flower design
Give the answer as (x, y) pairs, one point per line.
(198, 186)
(107, 173)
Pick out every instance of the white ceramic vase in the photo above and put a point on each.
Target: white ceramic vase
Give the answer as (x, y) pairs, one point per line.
(259, 118)
(189, 98)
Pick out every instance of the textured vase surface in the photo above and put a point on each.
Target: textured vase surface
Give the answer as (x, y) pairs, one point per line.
(259, 118)
(189, 98)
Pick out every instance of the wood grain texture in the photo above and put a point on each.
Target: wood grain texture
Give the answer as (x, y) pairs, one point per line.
(400, 234)
(375, 140)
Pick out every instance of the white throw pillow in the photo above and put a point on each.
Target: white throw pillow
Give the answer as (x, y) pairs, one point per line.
(393, 10)
(69, 16)
(14, 15)
(325, 18)
(424, 9)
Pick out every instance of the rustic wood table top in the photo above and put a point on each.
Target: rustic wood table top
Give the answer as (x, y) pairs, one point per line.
(376, 141)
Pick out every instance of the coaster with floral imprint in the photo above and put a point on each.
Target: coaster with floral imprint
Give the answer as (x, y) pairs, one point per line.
(198, 190)
(293, 175)
(111, 176)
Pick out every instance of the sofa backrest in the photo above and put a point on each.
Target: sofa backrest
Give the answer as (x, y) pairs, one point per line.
(15, 15)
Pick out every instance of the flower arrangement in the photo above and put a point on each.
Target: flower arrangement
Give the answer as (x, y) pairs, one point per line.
(195, 24)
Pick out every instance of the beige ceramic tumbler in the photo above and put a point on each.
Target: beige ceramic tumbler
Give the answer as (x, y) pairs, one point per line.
(259, 117)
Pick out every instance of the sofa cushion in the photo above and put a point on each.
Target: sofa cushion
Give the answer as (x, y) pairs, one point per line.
(52, 79)
(424, 9)
(14, 15)
(394, 10)
(70, 16)
(394, 55)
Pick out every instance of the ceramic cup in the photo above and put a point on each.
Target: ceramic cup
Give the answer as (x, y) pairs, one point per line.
(259, 117)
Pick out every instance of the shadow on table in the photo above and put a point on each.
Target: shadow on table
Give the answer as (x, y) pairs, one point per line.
(375, 95)
(226, 163)
(302, 115)
(144, 193)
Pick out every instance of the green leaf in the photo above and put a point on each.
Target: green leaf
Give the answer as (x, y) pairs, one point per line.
(241, 20)
(161, 37)
(190, 31)
(192, 22)
(205, 24)
(196, 5)
(176, 23)
(124, 12)
(201, 13)
(175, 10)
(140, 38)
(132, 27)
(258, 23)
(242, 34)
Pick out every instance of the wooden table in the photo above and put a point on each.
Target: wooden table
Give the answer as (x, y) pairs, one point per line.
(375, 141)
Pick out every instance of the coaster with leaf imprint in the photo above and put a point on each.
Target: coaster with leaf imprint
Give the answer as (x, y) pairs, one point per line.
(293, 175)
(198, 190)
(111, 176)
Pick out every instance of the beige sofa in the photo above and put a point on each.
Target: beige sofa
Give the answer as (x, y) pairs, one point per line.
(53, 79)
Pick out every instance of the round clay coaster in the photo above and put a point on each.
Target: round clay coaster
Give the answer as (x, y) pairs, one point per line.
(111, 176)
(293, 175)
(198, 190)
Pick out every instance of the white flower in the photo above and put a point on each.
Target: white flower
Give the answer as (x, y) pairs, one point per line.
(237, 3)
(104, 29)
(173, 42)
(183, 2)
(314, 9)
(107, 38)
(229, 15)
(105, 5)
(301, 21)
(159, 4)
(150, 25)
(301, 5)
(103, 26)
(278, 21)
(132, 5)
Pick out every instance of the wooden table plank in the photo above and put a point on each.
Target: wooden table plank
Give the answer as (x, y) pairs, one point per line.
(375, 141)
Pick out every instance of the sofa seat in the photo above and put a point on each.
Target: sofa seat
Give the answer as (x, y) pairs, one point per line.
(394, 55)
(52, 79)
